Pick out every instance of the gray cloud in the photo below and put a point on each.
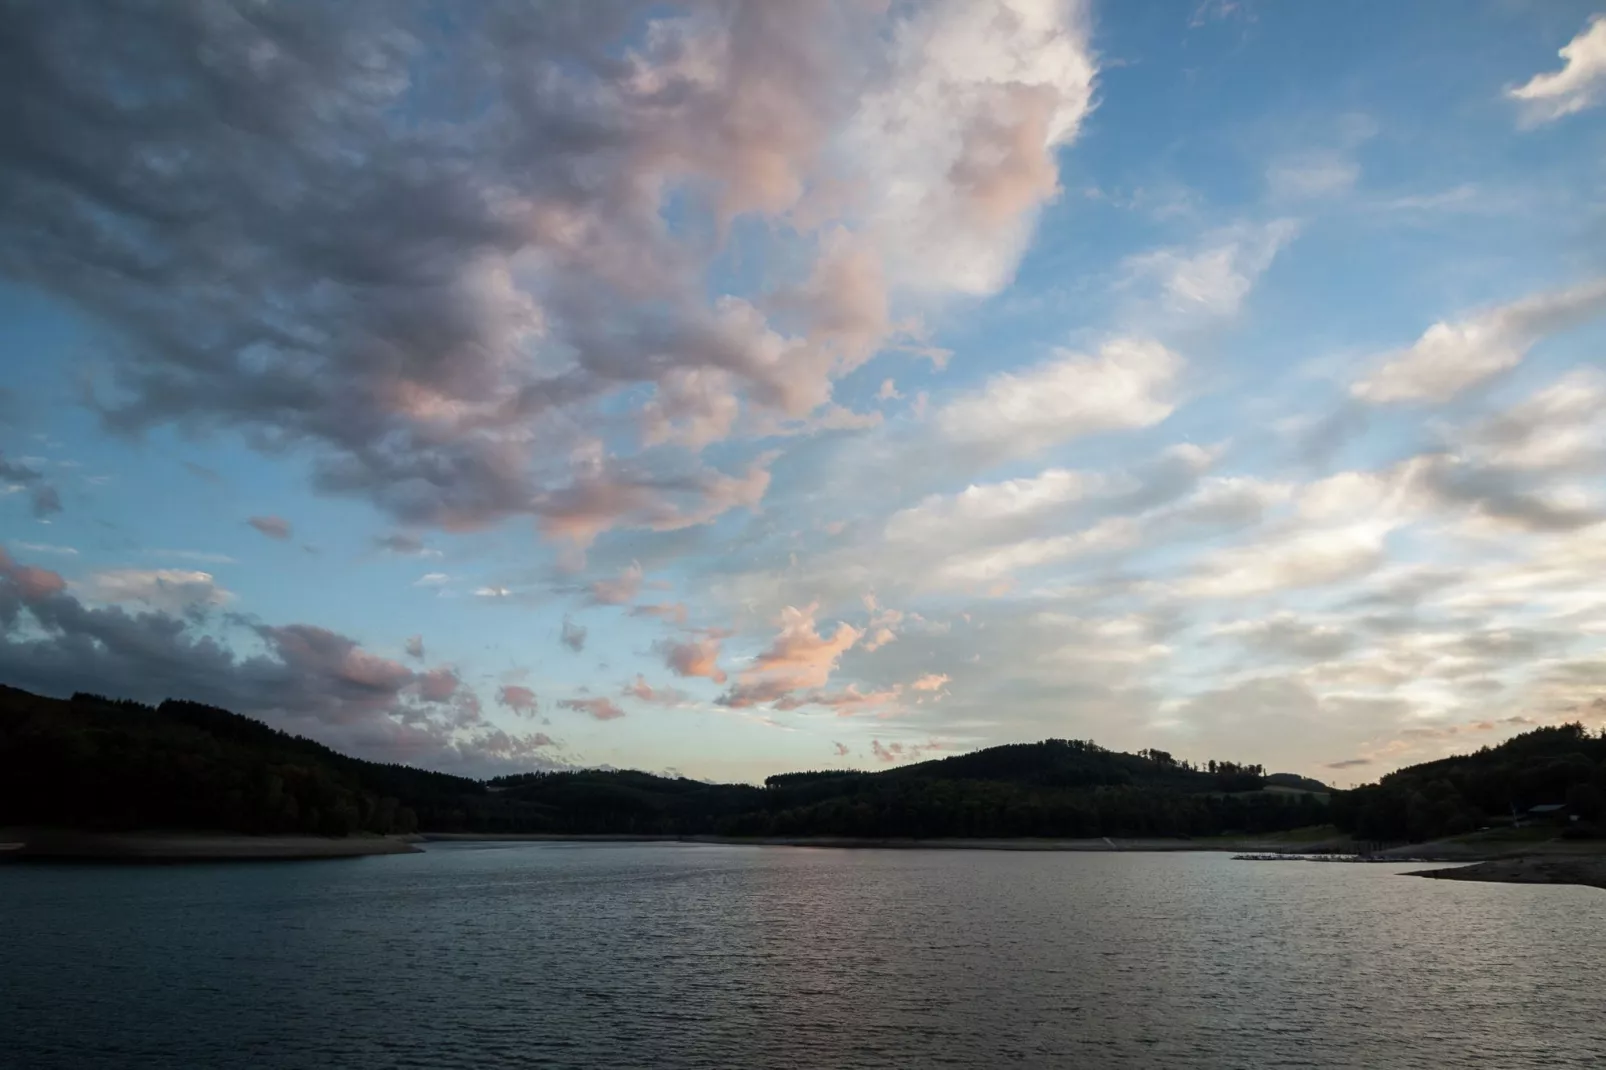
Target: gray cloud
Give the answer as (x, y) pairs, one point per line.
(274, 527)
(421, 254)
(573, 635)
(306, 679)
(43, 496)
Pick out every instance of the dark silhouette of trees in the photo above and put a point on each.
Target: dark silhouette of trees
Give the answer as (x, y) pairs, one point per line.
(104, 763)
(1561, 765)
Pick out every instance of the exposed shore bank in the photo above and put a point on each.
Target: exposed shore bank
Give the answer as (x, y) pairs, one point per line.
(1587, 870)
(68, 846)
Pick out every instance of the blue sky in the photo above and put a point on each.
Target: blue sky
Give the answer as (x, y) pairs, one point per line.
(735, 390)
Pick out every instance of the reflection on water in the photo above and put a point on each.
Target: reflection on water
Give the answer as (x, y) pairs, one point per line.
(666, 955)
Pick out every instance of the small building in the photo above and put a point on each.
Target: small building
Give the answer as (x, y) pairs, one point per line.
(1548, 813)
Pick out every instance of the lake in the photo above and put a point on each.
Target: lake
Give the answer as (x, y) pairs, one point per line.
(671, 955)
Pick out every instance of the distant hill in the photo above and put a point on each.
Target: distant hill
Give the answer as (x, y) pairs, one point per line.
(94, 762)
(1295, 782)
(1561, 766)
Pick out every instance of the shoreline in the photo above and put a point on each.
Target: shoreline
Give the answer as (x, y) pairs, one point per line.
(56, 845)
(1147, 846)
(1540, 863)
(1582, 869)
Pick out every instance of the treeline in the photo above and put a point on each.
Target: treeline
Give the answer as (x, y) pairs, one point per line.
(104, 763)
(95, 762)
(1560, 766)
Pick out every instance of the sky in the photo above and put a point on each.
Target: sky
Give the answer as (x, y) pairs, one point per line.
(735, 389)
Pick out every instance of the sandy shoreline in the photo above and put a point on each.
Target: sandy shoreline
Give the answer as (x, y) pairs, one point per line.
(66, 846)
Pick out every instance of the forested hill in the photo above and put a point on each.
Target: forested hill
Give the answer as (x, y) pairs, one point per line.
(100, 763)
(1562, 766)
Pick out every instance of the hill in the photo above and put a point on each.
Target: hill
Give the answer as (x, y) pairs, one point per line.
(1561, 766)
(94, 762)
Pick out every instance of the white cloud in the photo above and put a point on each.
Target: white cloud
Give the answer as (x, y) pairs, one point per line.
(1449, 357)
(1214, 277)
(1299, 559)
(199, 556)
(165, 589)
(1580, 84)
(432, 579)
(1560, 426)
(959, 145)
(1313, 175)
(980, 506)
(1127, 385)
(1000, 562)
(47, 548)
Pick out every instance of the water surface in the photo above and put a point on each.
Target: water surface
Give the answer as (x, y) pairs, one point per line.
(670, 955)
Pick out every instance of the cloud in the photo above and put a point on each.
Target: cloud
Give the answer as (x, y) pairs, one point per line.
(46, 501)
(1348, 763)
(692, 657)
(1580, 84)
(619, 590)
(931, 681)
(1312, 175)
(1450, 357)
(573, 635)
(1561, 426)
(201, 471)
(846, 702)
(520, 700)
(166, 589)
(438, 685)
(1285, 634)
(980, 507)
(1126, 386)
(798, 657)
(439, 255)
(606, 495)
(272, 526)
(839, 749)
(664, 696)
(670, 612)
(601, 709)
(29, 583)
(199, 556)
(1214, 278)
(46, 548)
(404, 545)
(1300, 559)
(415, 647)
(302, 678)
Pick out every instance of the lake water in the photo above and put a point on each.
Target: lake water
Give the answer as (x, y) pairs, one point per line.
(668, 955)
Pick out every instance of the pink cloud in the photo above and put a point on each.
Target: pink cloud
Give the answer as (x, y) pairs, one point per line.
(520, 700)
(693, 657)
(846, 702)
(618, 590)
(672, 612)
(603, 709)
(33, 584)
(664, 696)
(438, 685)
(799, 657)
